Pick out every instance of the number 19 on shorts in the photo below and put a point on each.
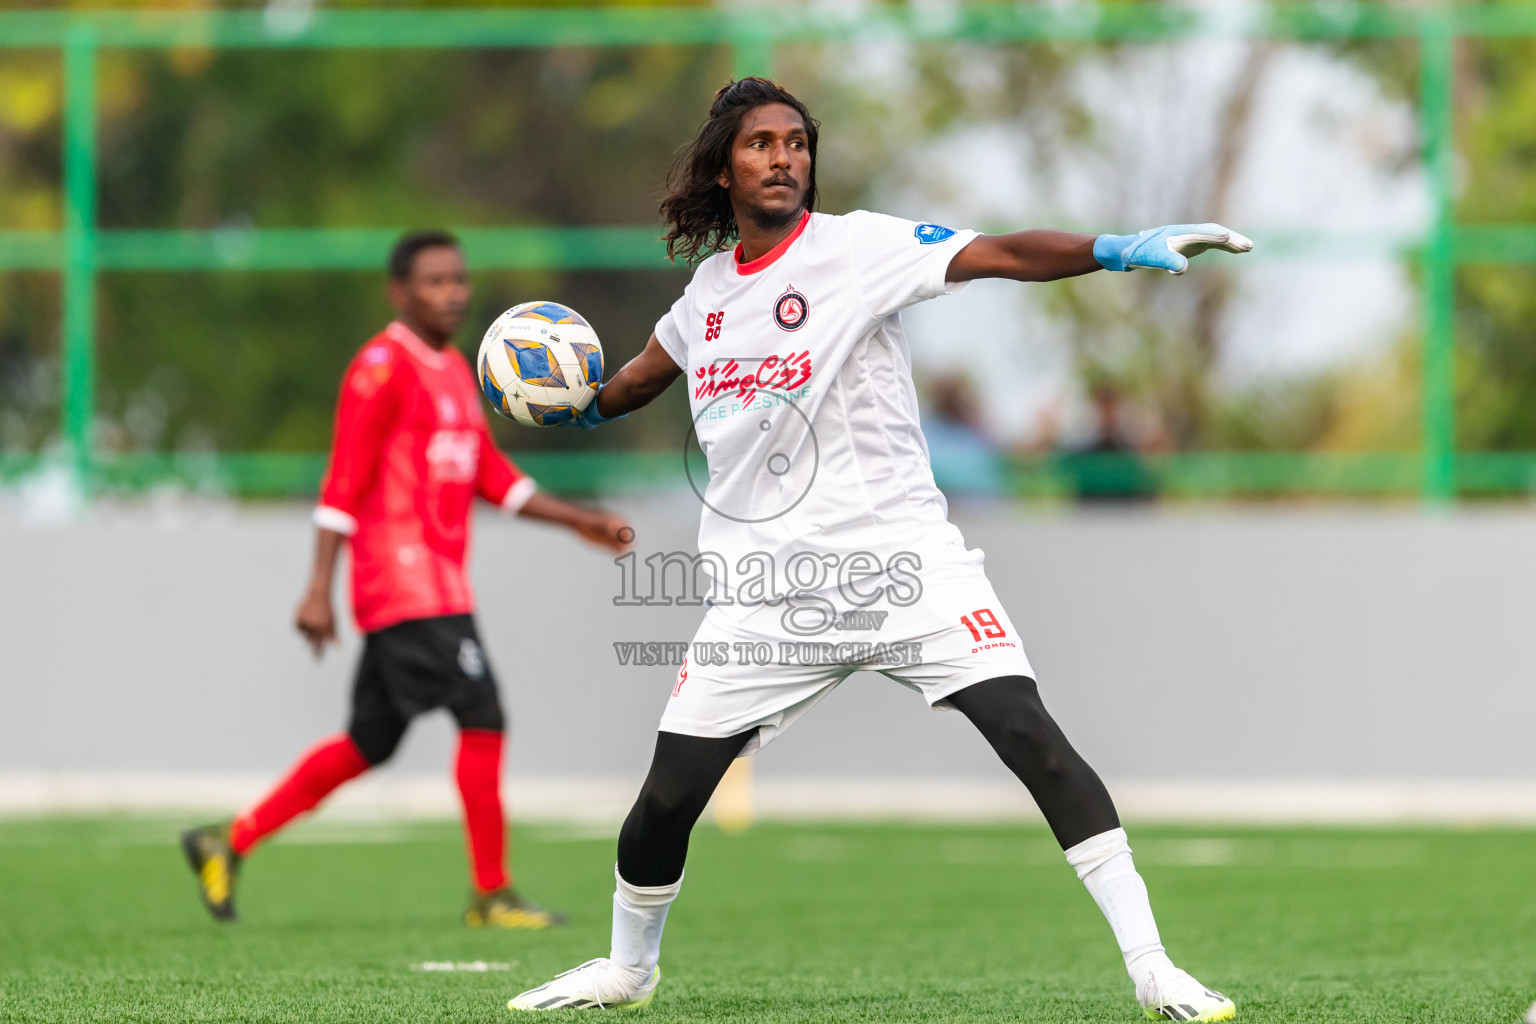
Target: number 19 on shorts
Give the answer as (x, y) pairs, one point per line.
(990, 629)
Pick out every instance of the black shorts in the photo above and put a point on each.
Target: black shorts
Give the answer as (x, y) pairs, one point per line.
(416, 666)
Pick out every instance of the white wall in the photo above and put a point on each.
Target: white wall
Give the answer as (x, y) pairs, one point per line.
(1202, 644)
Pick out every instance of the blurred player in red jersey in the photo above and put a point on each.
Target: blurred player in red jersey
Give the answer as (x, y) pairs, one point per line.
(411, 452)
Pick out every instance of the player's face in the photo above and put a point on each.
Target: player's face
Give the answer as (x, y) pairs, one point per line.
(436, 294)
(770, 165)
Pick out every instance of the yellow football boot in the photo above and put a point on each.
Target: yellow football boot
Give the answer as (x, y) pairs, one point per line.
(216, 864)
(504, 908)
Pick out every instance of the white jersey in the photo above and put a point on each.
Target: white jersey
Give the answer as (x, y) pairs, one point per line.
(800, 384)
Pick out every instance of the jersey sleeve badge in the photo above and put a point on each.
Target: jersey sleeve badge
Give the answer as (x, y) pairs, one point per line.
(928, 234)
(372, 370)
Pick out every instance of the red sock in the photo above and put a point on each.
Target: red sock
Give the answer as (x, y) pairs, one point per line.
(323, 767)
(478, 771)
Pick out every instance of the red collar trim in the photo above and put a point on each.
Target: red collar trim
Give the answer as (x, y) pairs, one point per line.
(767, 259)
(414, 345)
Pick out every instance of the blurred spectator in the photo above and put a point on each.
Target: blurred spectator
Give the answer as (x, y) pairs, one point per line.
(1110, 468)
(965, 460)
(1110, 434)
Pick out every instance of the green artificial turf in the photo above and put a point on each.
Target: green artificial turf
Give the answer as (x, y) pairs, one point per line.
(99, 922)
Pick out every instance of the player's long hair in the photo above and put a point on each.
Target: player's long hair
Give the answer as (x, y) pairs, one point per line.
(700, 221)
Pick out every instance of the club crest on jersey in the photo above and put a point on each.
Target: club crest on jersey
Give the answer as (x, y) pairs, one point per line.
(791, 311)
(927, 234)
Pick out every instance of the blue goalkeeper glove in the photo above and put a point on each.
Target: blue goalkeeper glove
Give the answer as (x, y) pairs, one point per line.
(1167, 247)
(590, 417)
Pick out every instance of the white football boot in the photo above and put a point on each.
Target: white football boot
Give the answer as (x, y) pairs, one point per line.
(1168, 993)
(1530, 1015)
(597, 984)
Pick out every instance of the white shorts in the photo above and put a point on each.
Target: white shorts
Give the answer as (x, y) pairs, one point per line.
(746, 669)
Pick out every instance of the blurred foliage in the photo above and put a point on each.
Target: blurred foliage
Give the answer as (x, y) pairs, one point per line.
(30, 397)
(1157, 341)
(290, 139)
(1154, 340)
(1496, 323)
(287, 6)
(31, 93)
(202, 139)
(252, 361)
(1495, 106)
(886, 106)
(198, 138)
(30, 172)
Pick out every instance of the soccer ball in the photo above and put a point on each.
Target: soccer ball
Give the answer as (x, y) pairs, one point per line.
(540, 364)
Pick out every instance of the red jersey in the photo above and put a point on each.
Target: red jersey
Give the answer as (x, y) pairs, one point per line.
(412, 449)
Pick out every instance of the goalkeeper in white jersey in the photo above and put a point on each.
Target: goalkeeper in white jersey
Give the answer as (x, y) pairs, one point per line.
(820, 504)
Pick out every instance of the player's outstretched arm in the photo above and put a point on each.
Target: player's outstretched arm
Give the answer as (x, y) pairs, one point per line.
(638, 382)
(1038, 255)
(1051, 255)
(602, 528)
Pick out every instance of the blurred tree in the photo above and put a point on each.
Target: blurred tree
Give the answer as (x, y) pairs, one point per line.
(197, 138)
(1496, 325)
(1495, 109)
(364, 138)
(30, 172)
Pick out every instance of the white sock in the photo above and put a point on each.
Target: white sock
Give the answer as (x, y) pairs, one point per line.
(1103, 864)
(639, 914)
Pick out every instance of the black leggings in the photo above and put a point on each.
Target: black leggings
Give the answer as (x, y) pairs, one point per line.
(653, 844)
(1009, 713)
(684, 773)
